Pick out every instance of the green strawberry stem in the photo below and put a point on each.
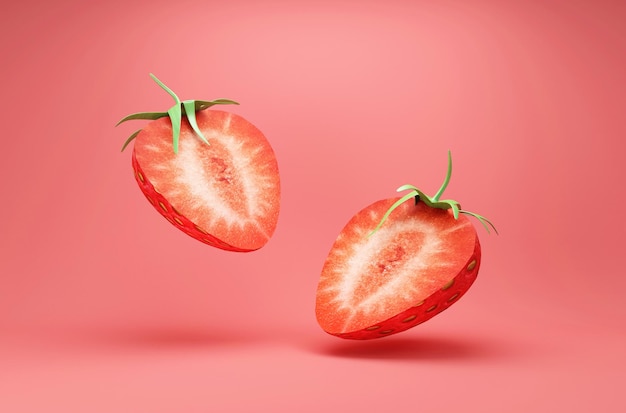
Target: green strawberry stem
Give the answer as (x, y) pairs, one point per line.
(186, 108)
(445, 181)
(434, 202)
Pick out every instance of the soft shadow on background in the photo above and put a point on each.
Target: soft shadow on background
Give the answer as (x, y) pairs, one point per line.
(138, 339)
(418, 348)
(174, 338)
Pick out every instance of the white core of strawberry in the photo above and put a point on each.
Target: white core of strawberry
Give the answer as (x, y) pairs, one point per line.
(193, 175)
(207, 193)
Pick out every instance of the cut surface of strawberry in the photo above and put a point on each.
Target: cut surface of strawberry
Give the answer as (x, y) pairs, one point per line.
(229, 189)
(218, 182)
(396, 264)
(367, 281)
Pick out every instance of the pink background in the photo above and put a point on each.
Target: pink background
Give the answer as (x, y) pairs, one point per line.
(105, 307)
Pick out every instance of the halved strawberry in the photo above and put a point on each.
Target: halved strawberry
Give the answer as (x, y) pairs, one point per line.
(211, 173)
(381, 278)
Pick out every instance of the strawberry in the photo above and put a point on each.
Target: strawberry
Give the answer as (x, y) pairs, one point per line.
(397, 264)
(210, 173)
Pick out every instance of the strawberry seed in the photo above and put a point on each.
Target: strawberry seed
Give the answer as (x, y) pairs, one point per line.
(448, 285)
(454, 297)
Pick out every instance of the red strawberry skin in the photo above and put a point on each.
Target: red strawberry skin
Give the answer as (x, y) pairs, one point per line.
(225, 194)
(419, 263)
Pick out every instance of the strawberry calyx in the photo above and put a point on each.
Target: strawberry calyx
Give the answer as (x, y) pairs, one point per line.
(187, 108)
(434, 202)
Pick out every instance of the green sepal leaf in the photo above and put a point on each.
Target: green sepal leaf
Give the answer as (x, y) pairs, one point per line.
(424, 198)
(143, 115)
(175, 114)
(390, 210)
(189, 107)
(483, 221)
(203, 104)
(130, 138)
(455, 208)
(405, 188)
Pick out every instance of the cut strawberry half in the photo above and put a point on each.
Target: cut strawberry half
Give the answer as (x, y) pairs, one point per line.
(382, 279)
(211, 173)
